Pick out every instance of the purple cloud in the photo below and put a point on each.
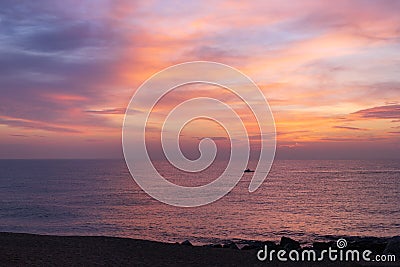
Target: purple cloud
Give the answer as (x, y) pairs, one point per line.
(382, 112)
(349, 128)
(36, 125)
(47, 51)
(108, 111)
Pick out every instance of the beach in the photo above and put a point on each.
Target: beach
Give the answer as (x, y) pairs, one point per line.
(19, 249)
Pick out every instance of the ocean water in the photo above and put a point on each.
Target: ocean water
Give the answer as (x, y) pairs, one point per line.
(306, 200)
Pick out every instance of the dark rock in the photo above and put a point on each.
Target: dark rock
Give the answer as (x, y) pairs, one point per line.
(322, 245)
(186, 243)
(289, 244)
(213, 246)
(259, 245)
(253, 245)
(376, 245)
(270, 244)
(376, 248)
(231, 245)
(256, 244)
(393, 246)
(247, 247)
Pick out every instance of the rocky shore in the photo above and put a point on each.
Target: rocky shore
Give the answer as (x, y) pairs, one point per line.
(41, 250)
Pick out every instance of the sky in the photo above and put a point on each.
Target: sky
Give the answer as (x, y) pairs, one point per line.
(329, 69)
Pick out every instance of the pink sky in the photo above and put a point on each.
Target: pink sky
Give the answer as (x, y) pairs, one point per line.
(330, 71)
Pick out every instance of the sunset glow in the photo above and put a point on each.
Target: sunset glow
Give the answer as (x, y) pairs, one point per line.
(330, 72)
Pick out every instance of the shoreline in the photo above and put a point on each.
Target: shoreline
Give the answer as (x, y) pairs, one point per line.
(21, 249)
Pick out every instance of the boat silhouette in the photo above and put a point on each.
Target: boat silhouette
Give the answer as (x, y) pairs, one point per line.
(248, 170)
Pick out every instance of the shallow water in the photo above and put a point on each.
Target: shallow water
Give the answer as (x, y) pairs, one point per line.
(306, 200)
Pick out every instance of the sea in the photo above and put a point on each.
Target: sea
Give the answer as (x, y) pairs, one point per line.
(307, 200)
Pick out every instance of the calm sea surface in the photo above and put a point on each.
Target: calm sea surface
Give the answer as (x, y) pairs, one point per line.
(306, 200)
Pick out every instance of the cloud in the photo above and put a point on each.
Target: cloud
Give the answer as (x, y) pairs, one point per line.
(62, 68)
(215, 138)
(211, 53)
(19, 135)
(67, 36)
(292, 132)
(36, 125)
(349, 128)
(352, 139)
(108, 111)
(56, 63)
(381, 112)
(290, 145)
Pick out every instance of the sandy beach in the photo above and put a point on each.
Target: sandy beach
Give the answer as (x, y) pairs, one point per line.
(42, 250)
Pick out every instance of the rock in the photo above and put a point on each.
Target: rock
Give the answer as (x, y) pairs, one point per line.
(213, 246)
(247, 247)
(231, 245)
(259, 245)
(393, 246)
(253, 245)
(289, 244)
(374, 246)
(186, 243)
(270, 244)
(322, 245)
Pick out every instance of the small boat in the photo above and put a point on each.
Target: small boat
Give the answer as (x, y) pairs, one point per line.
(248, 170)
